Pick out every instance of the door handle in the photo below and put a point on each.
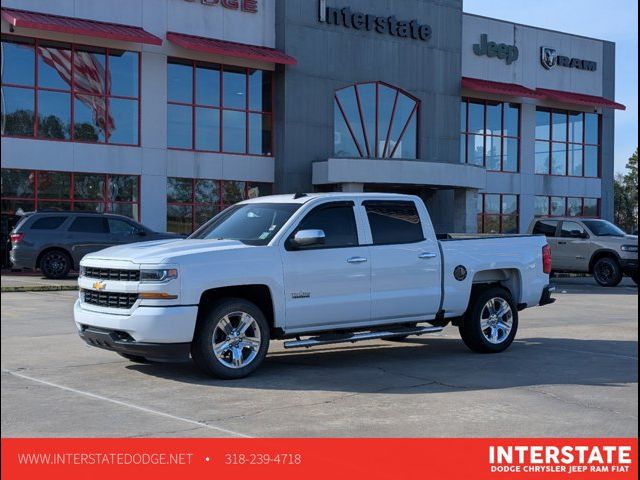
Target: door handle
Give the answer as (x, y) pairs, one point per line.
(356, 260)
(427, 255)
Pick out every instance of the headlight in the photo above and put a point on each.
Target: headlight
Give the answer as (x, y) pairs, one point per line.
(83, 271)
(629, 248)
(158, 276)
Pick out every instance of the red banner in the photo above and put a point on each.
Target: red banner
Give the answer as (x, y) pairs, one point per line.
(295, 458)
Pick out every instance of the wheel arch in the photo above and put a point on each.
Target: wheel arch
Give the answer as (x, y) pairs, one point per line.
(259, 294)
(51, 249)
(602, 253)
(508, 278)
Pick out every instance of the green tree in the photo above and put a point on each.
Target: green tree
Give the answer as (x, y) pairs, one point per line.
(625, 190)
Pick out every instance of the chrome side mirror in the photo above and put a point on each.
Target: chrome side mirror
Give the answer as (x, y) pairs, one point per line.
(308, 238)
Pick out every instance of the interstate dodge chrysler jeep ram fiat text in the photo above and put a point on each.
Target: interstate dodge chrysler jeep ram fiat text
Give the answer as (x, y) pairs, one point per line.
(311, 270)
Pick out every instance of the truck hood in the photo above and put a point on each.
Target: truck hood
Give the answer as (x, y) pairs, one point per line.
(162, 251)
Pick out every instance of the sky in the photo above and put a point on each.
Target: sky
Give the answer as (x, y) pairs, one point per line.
(613, 20)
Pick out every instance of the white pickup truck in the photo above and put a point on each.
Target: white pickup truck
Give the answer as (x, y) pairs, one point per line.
(310, 269)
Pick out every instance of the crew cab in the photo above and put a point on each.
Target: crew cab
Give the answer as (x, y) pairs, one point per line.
(309, 269)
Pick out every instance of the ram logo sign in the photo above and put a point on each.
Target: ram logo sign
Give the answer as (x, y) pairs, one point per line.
(548, 57)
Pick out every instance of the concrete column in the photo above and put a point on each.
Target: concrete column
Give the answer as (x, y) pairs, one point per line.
(465, 210)
(153, 202)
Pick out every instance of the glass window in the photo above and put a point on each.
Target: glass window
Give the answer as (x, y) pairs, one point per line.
(545, 227)
(207, 191)
(89, 117)
(603, 228)
(558, 158)
(559, 129)
(54, 206)
(179, 218)
(572, 230)
(355, 110)
(54, 185)
(337, 222)
(48, 223)
(97, 207)
(18, 60)
(259, 91)
(590, 207)
(233, 192)
(88, 186)
(54, 59)
(509, 204)
(179, 128)
(493, 152)
(543, 122)
(12, 206)
(123, 116)
(89, 225)
(179, 190)
(204, 213)
(498, 213)
(494, 119)
(463, 148)
(123, 188)
(463, 116)
(591, 161)
(207, 129)
(575, 127)
(259, 134)
(207, 84)
(510, 155)
(54, 115)
(17, 183)
(541, 205)
(575, 159)
(123, 73)
(511, 119)
(100, 112)
(394, 222)
(180, 81)
(476, 117)
(591, 121)
(234, 130)
(476, 149)
(558, 206)
(491, 203)
(574, 207)
(234, 87)
(121, 227)
(255, 190)
(17, 111)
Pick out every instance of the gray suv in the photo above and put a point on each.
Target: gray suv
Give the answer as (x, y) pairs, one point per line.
(55, 242)
(589, 245)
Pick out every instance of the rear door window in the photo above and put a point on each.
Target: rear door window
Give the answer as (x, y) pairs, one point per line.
(48, 223)
(572, 230)
(394, 222)
(89, 225)
(121, 227)
(545, 227)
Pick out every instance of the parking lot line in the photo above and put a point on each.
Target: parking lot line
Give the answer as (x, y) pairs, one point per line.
(125, 404)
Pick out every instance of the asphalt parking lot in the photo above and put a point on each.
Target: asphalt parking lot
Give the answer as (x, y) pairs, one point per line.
(571, 372)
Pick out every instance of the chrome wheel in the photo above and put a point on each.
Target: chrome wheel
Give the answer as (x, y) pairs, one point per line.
(496, 320)
(236, 339)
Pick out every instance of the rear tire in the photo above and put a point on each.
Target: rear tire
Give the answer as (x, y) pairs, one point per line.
(607, 272)
(55, 264)
(491, 322)
(231, 339)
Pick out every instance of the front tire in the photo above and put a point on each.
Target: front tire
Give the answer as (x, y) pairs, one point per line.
(55, 264)
(491, 322)
(607, 272)
(231, 340)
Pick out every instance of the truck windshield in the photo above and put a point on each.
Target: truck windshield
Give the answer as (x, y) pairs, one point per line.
(251, 223)
(602, 228)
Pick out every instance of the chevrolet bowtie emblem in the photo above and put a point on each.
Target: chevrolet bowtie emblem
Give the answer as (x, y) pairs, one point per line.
(99, 285)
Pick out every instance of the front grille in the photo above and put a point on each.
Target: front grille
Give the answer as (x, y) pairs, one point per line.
(109, 299)
(112, 274)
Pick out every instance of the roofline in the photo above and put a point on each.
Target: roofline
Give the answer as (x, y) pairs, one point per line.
(538, 28)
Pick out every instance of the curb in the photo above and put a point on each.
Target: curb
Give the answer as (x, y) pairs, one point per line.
(39, 288)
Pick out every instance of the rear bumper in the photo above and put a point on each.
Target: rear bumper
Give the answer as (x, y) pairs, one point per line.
(546, 299)
(121, 342)
(22, 258)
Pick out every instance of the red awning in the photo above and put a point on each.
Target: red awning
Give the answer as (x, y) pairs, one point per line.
(498, 88)
(78, 26)
(580, 99)
(230, 49)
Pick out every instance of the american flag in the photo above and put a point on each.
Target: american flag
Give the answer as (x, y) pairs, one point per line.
(89, 79)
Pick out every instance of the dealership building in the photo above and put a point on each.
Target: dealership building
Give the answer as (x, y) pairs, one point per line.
(168, 111)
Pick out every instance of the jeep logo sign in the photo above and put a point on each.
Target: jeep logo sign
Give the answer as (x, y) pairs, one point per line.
(508, 53)
(549, 58)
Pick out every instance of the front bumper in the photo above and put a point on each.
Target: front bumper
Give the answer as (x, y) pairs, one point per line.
(154, 332)
(117, 341)
(546, 299)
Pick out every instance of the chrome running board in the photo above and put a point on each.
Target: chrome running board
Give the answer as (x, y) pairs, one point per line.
(357, 337)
